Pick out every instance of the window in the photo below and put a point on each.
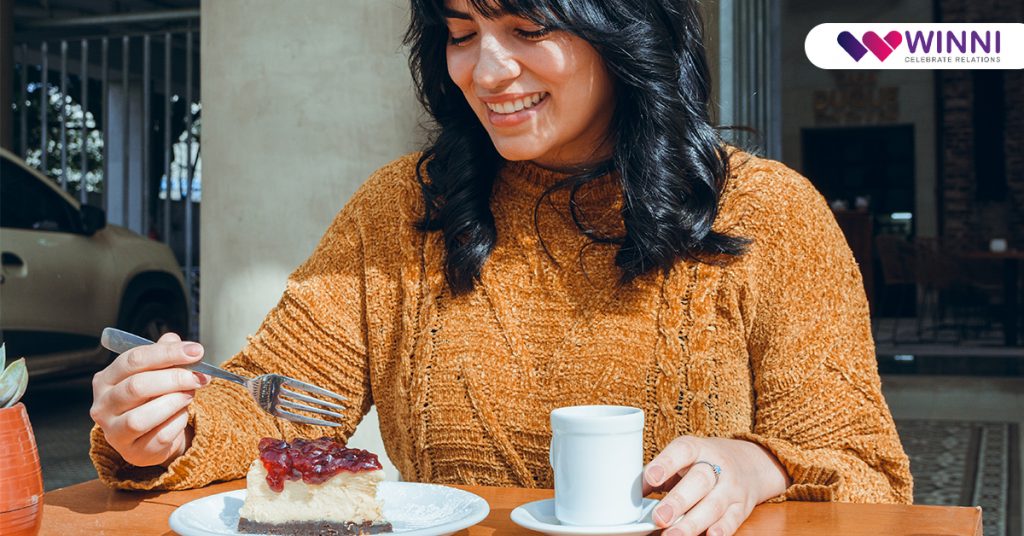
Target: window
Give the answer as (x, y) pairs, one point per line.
(989, 135)
(874, 161)
(26, 203)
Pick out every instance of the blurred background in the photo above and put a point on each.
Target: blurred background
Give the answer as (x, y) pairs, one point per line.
(106, 219)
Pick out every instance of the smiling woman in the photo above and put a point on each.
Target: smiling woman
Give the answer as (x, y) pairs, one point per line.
(542, 95)
(616, 91)
(574, 233)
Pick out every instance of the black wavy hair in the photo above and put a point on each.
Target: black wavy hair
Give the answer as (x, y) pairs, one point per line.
(670, 160)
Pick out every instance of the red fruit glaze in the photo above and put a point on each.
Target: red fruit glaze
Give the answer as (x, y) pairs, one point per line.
(314, 461)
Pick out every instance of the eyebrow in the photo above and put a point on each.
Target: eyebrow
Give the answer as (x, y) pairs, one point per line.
(450, 13)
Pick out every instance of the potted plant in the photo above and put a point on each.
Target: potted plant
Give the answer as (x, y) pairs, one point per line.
(21, 480)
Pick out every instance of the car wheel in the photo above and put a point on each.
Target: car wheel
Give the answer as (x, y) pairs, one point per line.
(152, 319)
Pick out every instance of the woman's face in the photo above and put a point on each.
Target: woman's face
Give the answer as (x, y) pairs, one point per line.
(542, 96)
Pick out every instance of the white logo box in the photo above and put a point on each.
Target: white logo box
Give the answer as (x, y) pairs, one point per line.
(963, 46)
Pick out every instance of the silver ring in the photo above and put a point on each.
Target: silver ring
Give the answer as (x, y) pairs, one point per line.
(716, 468)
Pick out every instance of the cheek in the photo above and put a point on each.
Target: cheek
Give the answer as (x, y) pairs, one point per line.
(588, 83)
(460, 69)
(550, 61)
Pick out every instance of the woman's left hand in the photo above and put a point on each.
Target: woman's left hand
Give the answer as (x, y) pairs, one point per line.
(748, 475)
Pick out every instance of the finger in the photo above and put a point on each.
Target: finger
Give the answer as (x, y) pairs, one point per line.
(677, 456)
(734, 515)
(169, 337)
(700, 517)
(173, 337)
(151, 357)
(695, 484)
(165, 438)
(139, 421)
(668, 484)
(144, 386)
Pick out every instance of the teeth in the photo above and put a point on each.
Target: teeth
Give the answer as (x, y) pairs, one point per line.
(516, 105)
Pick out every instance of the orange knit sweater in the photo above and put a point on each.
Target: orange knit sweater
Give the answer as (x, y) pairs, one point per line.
(773, 347)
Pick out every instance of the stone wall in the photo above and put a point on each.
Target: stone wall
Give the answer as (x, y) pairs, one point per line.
(965, 219)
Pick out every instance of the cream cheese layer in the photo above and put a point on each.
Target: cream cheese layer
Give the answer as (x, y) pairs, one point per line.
(345, 497)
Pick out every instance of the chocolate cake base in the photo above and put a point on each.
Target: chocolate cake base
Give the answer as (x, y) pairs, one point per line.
(317, 528)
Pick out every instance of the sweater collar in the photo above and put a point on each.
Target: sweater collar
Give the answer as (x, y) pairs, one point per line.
(598, 202)
(531, 177)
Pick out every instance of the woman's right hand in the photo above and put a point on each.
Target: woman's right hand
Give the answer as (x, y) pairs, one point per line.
(141, 399)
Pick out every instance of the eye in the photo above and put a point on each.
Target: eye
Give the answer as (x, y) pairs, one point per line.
(533, 35)
(459, 41)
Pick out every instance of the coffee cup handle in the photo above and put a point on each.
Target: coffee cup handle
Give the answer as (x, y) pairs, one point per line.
(551, 450)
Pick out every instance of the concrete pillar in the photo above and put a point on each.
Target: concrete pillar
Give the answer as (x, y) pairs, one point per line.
(301, 102)
(117, 213)
(749, 60)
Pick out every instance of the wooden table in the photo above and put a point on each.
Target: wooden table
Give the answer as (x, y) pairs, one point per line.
(1011, 312)
(91, 508)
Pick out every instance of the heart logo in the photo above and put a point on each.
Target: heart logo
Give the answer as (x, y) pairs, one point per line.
(851, 45)
(880, 47)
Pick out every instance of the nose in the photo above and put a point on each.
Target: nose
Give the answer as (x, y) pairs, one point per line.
(496, 65)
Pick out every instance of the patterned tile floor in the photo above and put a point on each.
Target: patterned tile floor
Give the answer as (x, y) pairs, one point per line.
(964, 463)
(959, 398)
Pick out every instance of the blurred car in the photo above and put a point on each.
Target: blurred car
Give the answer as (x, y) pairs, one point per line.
(67, 274)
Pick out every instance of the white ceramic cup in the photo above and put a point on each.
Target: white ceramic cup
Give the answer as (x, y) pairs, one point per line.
(597, 453)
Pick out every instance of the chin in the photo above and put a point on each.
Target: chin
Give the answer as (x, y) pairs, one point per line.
(517, 151)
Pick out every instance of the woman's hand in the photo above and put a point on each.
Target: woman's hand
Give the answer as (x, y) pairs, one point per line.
(749, 476)
(141, 400)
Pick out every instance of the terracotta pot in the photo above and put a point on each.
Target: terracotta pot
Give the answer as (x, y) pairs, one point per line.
(21, 480)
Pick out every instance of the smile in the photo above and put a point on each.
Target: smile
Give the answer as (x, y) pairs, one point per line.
(524, 103)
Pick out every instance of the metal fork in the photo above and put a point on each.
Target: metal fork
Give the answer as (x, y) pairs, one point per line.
(266, 389)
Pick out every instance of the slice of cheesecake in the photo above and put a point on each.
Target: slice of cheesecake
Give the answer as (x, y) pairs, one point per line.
(312, 487)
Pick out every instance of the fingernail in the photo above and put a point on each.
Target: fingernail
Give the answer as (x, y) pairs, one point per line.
(654, 474)
(663, 514)
(192, 349)
(201, 379)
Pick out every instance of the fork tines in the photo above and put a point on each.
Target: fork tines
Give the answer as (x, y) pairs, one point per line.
(292, 393)
(292, 382)
(287, 415)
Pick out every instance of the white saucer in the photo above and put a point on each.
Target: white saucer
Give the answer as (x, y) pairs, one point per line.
(413, 509)
(540, 516)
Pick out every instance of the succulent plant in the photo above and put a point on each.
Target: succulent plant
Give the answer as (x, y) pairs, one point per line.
(13, 380)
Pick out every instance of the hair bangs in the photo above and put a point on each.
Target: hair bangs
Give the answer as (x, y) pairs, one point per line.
(435, 12)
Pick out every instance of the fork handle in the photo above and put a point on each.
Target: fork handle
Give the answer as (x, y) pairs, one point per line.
(120, 342)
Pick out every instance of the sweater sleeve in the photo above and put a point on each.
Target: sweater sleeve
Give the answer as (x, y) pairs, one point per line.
(819, 405)
(316, 333)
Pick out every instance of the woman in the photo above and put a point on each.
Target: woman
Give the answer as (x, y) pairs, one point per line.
(575, 233)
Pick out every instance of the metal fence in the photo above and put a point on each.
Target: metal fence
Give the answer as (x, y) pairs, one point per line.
(115, 119)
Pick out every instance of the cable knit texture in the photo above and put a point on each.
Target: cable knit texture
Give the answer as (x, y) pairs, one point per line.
(772, 347)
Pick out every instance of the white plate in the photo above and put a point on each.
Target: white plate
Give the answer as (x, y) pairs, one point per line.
(413, 510)
(540, 516)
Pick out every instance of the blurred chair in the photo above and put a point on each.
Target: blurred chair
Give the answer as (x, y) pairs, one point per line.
(977, 294)
(936, 273)
(896, 256)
